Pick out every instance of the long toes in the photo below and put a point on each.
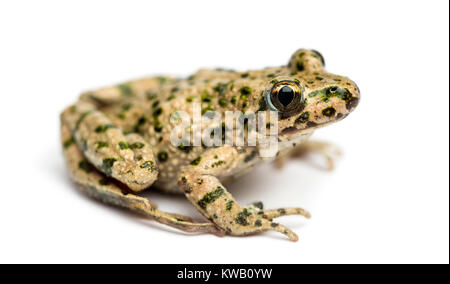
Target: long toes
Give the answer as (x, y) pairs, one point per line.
(275, 213)
(284, 230)
(181, 217)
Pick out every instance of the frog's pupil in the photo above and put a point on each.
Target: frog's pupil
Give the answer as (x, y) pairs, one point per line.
(286, 95)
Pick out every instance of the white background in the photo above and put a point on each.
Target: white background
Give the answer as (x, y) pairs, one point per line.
(387, 201)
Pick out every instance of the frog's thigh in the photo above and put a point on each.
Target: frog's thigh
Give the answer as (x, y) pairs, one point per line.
(107, 190)
(210, 197)
(126, 158)
(328, 150)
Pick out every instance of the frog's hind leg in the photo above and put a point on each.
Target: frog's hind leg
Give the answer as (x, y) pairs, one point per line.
(328, 150)
(97, 185)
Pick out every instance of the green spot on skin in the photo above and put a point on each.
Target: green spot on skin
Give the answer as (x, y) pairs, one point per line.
(189, 99)
(137, 145)
(304, 117)
(101, 144)
(107, 165)
(103, 128)
(206, 98)
(233, 100)
(184, 148)
(163, 156)
(171, 97)
(85, 166)
(69, 142)
(206, 109)
(241, 218)
(229, 205)
(223, 102)
(157, 112)
(245, 91)
(197, 161)
(124, 145)
(125, 89)
(300, 66)
(158, 126)
(104, 181)
(147, 165)
(141, 121)
(341, 93)
(329, 112)
(82, 117)
(258, 205)
(210, 197)
(221, 89)
(217, 164)
(258, 223)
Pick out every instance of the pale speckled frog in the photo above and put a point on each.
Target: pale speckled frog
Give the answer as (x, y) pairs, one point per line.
(117, 140)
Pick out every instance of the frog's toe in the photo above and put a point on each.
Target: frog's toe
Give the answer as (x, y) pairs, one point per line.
(329, 151)
(258, 208)
(276, 213)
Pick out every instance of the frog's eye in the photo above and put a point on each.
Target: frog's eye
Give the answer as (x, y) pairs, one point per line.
(285, 96)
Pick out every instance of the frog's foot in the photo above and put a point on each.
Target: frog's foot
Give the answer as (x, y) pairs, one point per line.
(328, 150)
(258, 208)
(210, 197)
(110, 191)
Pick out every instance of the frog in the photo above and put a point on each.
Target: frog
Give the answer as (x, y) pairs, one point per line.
(118, 141)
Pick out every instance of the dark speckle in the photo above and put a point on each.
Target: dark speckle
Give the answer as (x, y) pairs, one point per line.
(304, 117)
(197, 161)
(85, 166)
(107, 165)
(300, 66)
(163, 156)
(329, 111)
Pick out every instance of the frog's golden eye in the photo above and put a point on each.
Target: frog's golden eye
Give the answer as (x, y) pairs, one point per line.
(286, 97)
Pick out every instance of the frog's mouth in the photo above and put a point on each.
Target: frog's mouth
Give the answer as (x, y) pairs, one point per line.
(292, 131)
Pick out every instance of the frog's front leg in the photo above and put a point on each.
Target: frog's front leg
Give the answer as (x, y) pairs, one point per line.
(328, 150)
(200, 182)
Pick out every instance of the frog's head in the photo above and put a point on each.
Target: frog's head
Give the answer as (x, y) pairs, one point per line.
(309, 97)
